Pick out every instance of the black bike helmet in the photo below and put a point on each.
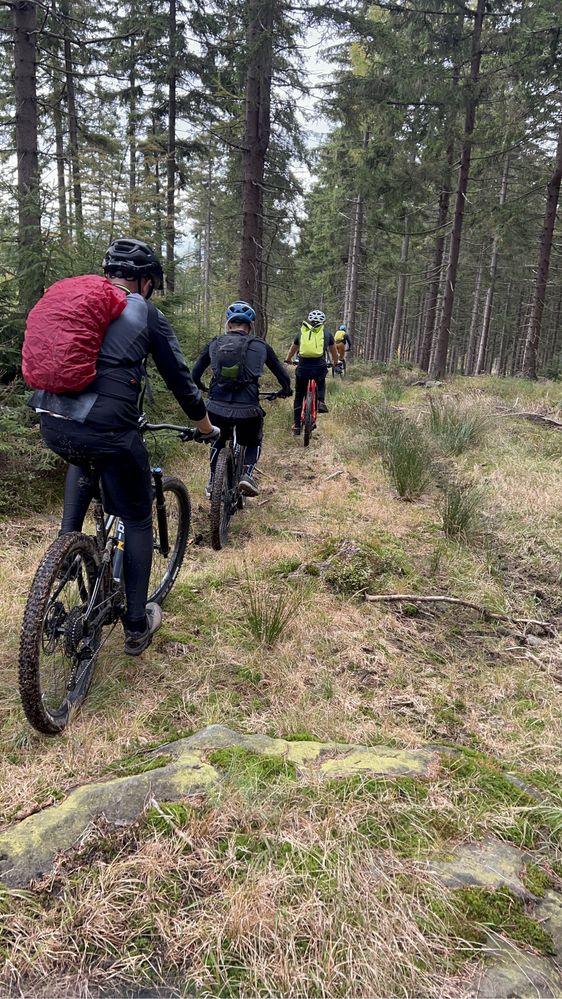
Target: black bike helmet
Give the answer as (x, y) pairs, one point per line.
(131, 259)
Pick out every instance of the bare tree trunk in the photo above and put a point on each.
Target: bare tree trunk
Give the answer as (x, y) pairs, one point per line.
(59, 148)
(354, 257)
(469, 364)
(490, 289)
(256, 144)
(30, 270)
(171, 166)
(534, 329)
(132, 135)
(372, 320)
(397, 325)
(440, 356)
(503, 338)
(207, 262)
(72, 121)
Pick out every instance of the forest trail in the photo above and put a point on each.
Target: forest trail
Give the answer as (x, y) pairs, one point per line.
(278, 878)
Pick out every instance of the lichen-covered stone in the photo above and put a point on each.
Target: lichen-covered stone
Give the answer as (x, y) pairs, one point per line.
(28, 849)
(489, 864)
(379, 760)
(549, 913)
(515, 974)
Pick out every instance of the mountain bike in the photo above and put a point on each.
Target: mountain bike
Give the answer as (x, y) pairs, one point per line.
(78, 590)
(339, 369)
(309, 411)
(226, 497)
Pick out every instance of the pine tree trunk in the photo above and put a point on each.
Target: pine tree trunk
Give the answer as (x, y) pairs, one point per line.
(529, 369)
(350, 304)
(59, 148)
(30, 264)
(484, 334)
(440, 356)
(397, 325)
(132, 135)
(503, 339)
(256, 143)
(372, 320)
(70, 76)
(207, 263)
(171, 151)
(469, 363)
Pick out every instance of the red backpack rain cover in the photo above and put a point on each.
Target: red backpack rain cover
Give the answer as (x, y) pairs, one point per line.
(65, 330)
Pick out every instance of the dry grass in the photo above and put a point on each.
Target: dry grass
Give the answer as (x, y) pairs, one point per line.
(160, 910)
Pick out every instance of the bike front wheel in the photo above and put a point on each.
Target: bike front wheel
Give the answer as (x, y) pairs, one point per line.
(168, 553)
(221, 499)
(61, 633)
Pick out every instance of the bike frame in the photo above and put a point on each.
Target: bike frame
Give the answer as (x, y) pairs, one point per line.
(313, 388)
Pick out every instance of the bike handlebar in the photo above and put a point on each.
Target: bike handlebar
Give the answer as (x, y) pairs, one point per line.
(187, 433)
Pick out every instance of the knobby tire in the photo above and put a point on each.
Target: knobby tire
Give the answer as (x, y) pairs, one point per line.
(308, 421)
(221, 499)
(46, 616)
(165, 568)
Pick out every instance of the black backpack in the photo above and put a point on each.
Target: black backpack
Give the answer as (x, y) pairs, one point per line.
(229, 361)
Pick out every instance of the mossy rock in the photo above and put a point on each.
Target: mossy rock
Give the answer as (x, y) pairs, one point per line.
(351, 566)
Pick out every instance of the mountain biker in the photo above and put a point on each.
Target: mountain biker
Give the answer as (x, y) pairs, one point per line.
(237, 359)
(343, 341)
(101, 423)
(312, 344)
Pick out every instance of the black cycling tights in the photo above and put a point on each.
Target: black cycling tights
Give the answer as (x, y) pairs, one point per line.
(78, 493)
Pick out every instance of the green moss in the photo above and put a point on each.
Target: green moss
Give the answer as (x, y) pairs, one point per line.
(480, 787)
(133, 765)
(250, 772)
(387, 789)
(502, 911)
(536, 880)
(169, 816)
(360, 564)
(408, 833)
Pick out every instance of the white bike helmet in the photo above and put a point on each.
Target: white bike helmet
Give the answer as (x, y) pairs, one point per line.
(316, 317)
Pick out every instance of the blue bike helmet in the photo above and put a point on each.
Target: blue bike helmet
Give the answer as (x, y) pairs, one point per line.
(240, 311)
(343, 327)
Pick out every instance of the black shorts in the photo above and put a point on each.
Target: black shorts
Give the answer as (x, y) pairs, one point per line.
(249, 429)
(120, 456)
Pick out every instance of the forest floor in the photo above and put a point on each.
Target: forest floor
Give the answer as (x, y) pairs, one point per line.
(271, 884)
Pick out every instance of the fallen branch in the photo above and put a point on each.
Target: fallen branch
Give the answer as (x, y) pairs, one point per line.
(412, 598)
(334, 475)
(537, 418)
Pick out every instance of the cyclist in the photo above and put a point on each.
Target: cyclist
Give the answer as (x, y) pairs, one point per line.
(237, 359)
(101, 424)
(312, 344)
(343, 342)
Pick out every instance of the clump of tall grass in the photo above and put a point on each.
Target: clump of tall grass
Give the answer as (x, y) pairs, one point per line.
(455, 425)
(267, 614)
(405, 452)
(461, 510)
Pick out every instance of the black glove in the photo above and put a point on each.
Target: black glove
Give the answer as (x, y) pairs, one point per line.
(285, 393)
(209, 438)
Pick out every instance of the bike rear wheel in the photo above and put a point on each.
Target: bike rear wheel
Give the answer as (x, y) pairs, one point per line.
(167, 559)
(308, 420)
(58, 645)
(222, 505)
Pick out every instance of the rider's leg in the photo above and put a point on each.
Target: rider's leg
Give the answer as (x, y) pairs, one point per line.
(321, 386)
(78, 493)
(249, 434)
(301, 382)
